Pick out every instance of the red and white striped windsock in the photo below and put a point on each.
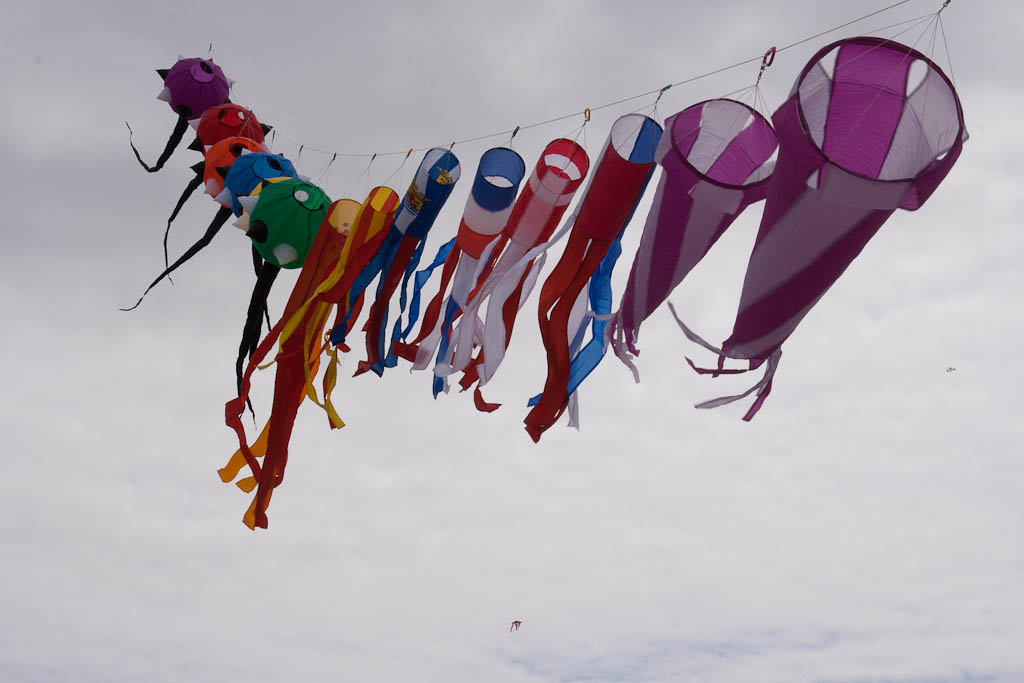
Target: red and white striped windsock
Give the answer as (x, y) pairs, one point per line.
(557, 175)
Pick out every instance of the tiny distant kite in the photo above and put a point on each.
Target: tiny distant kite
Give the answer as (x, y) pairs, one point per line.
(515, 625)
(859, 137)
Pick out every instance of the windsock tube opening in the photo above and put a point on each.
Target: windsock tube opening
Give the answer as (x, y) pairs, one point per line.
(878, 109)
(724, 142)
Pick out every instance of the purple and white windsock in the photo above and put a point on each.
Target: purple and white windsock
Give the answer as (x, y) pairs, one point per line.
(876, 130)
(717, 158)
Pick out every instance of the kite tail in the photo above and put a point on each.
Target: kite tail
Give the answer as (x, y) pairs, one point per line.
(330, 381)
(254, 318)
(497, 249)
(288, 393)
(433, 310)
(233, 410)
(432, 313)
(722, 355)
(763, 387)
(272, 443)
(375, 352)
(581, 258)
(311, 352)
(172, 142)
(189, 189)
(623, 343)
(587, 358)
(509, 309)
(257, 266)
(240, 459)
(456, 345)
(219, 219)
(506, 297)
(390, 359)
(467, 342)
(380, 263)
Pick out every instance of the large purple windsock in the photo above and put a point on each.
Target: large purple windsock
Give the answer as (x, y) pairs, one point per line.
(877, 131)
(717, 157)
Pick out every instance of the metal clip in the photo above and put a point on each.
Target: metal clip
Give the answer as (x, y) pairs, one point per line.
(661, 92)
(766, 61)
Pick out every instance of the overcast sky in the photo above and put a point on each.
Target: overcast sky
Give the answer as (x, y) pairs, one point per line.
(866, 526)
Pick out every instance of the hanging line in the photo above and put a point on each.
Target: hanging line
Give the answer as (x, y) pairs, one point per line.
(942, 29)
(324, 174)
(355, 182)
(367, 190)
(648, 93)
(398, 171)
(653, 113)
(949, 60)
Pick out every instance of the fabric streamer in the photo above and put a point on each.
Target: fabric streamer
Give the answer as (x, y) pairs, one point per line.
(465, 257)
(191, 86)
(877, 131)
(717, 158)
(292, 369)
(620, 177)
(399, 254)
(210, 173)
(555, 178)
